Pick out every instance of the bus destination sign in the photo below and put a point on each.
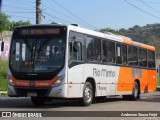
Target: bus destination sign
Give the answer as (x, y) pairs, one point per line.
(39, 31)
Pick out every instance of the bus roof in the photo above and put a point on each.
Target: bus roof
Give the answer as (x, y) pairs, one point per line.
(118, 38)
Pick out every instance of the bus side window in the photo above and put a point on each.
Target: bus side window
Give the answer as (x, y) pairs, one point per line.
(118, 54)
(108, 52)
(135, 56)
(130, 55)
(70, 53)
(77, 51)
(142, 57)
(151, 59)
(93, 46)
(124, 54)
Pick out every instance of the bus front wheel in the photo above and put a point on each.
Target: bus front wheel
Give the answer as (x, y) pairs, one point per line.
(87, 94)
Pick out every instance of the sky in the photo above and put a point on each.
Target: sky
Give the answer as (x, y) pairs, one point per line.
(91, 14)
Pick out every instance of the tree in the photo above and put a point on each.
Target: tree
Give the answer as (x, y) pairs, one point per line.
(19, 23)
(109, 30)
(4, 22)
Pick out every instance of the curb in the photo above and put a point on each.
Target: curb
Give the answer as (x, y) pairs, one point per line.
(3, 93)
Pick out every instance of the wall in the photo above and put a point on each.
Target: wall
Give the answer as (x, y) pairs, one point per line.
(6, 36)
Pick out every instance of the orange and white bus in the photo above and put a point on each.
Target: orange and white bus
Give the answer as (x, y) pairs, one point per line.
(67, 61)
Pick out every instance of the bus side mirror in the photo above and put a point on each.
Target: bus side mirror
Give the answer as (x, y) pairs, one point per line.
(2, 46)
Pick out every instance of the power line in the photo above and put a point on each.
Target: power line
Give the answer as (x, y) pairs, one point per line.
(142, 10)
(47, 19)
(74, 15)
(21, 17)
(17, 12)
(21, 3)
(16, 7)
(65, 21)
(150, 2)
(61, 13)
(149, 6)
(25, 1)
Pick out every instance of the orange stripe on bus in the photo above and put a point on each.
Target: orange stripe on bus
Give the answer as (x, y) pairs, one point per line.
(127, 76)
(125, 79)
(130, 42)
(45, 83)
(36, 83)
(20, 83)
(127, 41)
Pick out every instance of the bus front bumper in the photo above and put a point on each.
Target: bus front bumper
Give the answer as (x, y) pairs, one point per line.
(59, 91)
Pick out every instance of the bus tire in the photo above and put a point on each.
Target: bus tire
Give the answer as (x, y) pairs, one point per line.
(87, 94)
(38, 101)
(135, 91)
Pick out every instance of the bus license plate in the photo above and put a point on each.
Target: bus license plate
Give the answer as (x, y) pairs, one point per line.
(31, 94)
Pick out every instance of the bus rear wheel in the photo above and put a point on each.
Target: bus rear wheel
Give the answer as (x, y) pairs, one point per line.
(38, 101)
(87, 94)
(135, 93)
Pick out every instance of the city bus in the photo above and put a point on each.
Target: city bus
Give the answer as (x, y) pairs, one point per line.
(69, 62)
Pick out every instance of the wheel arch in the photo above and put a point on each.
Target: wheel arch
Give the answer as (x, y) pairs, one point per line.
(93, 83)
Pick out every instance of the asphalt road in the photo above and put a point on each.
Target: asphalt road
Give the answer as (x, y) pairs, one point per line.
(148, 102)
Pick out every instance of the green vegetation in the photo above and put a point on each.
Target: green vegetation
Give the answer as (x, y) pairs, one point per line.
(158, 81)
(3, 75)
(4, 22)
(14, 24)
(110, 30)
(6, 25)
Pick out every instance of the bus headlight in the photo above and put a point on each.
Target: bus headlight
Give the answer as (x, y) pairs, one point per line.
(59, 81)
(10, 81)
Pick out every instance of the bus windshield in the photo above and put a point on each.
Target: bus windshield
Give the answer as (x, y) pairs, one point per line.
(37, 53)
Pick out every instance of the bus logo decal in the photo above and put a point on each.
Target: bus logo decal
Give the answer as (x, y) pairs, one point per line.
(103, 73)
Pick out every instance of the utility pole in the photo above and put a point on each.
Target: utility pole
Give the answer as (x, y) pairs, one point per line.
(38, 12)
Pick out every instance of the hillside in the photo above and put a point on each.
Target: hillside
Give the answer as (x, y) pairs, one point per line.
(149, 34)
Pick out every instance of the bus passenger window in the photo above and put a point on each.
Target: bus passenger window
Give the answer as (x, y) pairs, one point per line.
(151, 59)
(70, 52)
(90, 49)
(77, 51)
(135, 56)
(130, 55)
(93, 46)
(118, 54)
(142, 58)
(124, 54)
(108, 52)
